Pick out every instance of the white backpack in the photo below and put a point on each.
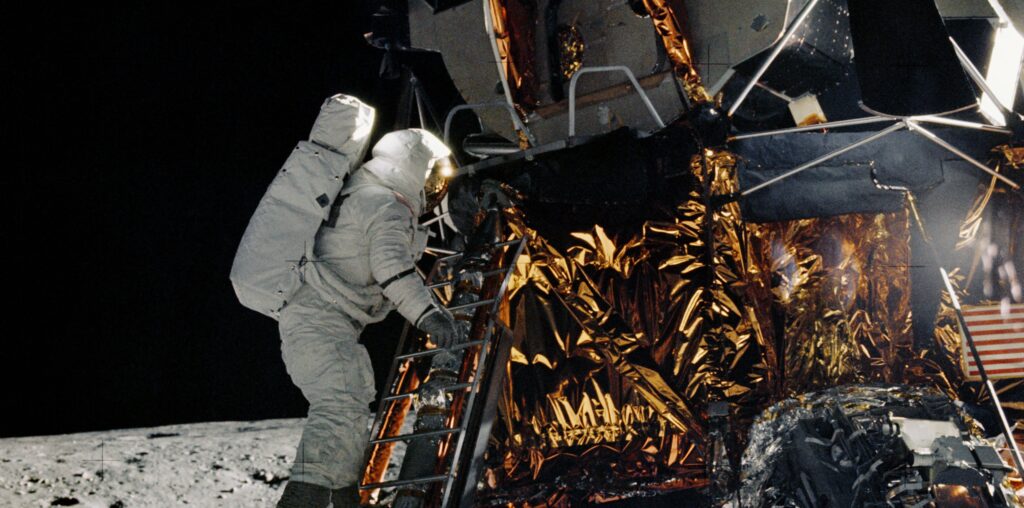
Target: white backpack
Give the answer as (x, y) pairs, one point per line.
(278, 241)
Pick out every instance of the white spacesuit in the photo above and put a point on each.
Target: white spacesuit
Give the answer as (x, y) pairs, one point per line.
(363, 268)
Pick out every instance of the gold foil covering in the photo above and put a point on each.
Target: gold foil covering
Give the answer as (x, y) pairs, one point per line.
(624, 337)
(513, 33)
(841, 288)
(621, 342)
(669, 18)
(570, 50)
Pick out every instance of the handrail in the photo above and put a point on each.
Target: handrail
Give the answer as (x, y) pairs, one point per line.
(511, 111)
(609, 68)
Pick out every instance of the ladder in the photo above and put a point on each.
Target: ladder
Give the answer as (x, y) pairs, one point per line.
(471, 285)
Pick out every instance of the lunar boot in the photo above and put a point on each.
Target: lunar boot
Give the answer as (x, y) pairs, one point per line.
(304, 495)
(346, 497)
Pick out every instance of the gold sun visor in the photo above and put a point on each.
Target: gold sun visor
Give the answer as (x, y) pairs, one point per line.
(438, 177)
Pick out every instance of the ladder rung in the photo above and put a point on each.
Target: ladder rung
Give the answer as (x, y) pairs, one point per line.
(416, 435)
(437, 251)
(450, 257)
(429, 352)
(459, 254)
(452, 388)
(491, 273)
(473, 305)
(399, 483)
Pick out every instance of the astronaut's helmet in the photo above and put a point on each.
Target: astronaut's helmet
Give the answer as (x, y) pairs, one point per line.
(440, 169)
(426, 164)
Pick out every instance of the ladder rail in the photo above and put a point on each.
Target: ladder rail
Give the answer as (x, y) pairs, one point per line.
(482, 420)
(481, 363)
(472, 387)
(378, 419)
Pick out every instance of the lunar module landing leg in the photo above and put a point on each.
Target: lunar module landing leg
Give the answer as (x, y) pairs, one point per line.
(452, 393)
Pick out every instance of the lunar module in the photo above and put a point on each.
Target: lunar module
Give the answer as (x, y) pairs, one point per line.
(715, 253)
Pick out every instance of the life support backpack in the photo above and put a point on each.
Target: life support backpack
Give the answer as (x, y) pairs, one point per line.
(278, 241)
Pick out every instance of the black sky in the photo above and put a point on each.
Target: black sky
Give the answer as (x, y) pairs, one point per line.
(143, 138)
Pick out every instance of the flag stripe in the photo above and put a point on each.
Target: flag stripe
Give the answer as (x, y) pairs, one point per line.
(991, 313)
(1005, 328)
(991, 348)
(1001, 321)
(998, 333)
(978, 342)
(994, 361)
(997, 372)
(1013, 351)
(995, 326)
(996, 364)
(998, 338)
(973, 314)
(990, 356)
(989, 310)
(1003, 331)
(990, 351)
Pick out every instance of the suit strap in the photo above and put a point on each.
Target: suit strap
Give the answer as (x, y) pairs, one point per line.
(332, 216)
(396, 277)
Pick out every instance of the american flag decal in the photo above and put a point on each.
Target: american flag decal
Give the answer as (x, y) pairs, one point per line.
(998, 334)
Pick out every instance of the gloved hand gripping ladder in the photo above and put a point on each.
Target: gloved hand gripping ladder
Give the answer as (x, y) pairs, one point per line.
(439, 464)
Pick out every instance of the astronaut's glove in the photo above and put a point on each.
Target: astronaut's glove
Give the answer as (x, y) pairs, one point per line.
(442, 328)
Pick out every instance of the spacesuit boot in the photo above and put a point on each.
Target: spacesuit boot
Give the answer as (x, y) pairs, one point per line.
(304, 495)
(346, 497)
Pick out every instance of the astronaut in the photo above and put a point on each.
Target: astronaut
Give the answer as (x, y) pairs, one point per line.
(363, 268)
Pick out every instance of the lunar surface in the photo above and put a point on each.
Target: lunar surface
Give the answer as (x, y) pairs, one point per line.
(205, 464)
(202, 464)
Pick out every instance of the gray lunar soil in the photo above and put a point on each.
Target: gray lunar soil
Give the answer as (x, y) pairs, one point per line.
(205, 464)
(202, 464)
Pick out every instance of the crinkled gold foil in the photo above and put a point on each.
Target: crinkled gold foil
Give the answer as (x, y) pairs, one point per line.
(581, 385)
(626, 336)
(621, 342)
(513, 35)
(841, 288)
(570, 50)
(503, 39)
(669, 20)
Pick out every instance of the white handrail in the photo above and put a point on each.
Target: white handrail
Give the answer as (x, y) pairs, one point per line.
(610, 68)
(516, 121)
